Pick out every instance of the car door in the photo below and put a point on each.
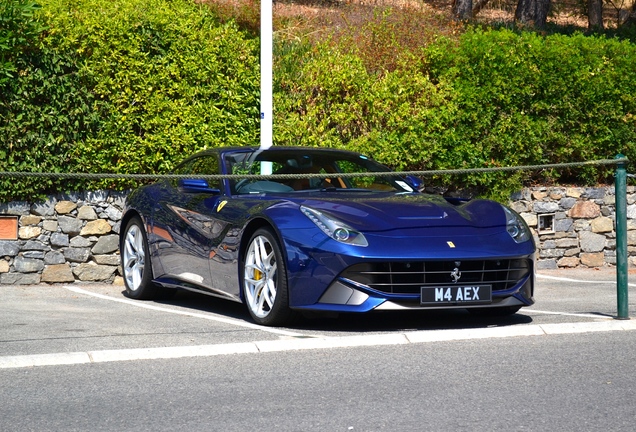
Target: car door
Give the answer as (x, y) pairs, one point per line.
(185, 214)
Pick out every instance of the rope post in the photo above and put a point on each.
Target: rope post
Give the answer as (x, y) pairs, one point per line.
(621, 238)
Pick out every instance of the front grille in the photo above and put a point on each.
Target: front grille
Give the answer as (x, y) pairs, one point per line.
(408, 277)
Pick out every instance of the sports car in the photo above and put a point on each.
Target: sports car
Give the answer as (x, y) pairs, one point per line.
(292, 229)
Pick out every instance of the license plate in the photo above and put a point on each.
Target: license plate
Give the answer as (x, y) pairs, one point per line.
(456, 295)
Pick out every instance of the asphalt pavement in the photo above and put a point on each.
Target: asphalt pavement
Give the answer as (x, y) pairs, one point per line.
(80, 323)
(84, 357)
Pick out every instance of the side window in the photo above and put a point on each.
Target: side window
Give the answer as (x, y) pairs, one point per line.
(184, 168)
(207, 165)
(203, 165)
(367, 182)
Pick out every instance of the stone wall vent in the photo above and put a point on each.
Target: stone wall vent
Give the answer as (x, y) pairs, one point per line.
(546, 223)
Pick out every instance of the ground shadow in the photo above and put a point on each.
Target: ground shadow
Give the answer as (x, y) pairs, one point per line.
(378, 321)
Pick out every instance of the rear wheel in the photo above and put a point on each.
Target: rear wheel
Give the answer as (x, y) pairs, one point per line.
(265, 280)
(135, 262)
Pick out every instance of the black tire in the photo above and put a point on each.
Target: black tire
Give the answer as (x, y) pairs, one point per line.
(264, 280)
(135, 262)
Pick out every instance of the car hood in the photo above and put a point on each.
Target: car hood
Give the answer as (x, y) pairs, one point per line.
(377, 212)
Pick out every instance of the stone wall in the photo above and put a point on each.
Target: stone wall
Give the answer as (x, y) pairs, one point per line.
(75, 237)
(581, 225)
(68, 238)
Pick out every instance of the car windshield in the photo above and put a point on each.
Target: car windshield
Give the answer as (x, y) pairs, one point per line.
(309, 171)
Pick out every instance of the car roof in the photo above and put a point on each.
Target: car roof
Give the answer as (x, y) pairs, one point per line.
(219, 151)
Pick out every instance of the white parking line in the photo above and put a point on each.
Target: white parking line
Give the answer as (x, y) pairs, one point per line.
(424, 336)
(557, 278)
(582, 315)
(137, 303)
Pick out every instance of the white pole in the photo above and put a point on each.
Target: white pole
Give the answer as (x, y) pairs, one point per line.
(267, 55)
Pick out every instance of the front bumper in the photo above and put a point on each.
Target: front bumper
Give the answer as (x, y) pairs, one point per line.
(325, 275)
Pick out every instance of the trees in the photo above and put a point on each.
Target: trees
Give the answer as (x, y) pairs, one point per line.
(532, 11)
(595, 14)
(535, 12)
(631, 19)
(528, 11)
(466, 9)
(462, 9)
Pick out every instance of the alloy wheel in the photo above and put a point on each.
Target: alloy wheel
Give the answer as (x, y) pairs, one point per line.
(134, 257)
(260, 276)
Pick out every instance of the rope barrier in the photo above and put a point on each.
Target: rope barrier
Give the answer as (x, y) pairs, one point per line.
(102, 176)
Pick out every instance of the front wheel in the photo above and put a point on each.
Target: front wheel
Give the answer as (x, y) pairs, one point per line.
(265, 280)
(135, 262)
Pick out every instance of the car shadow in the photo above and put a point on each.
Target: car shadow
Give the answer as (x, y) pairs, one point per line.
(391, 321)
(205, 303)
(378, 321)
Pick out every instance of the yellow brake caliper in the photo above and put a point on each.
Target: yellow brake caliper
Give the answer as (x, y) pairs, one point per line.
(258, 275)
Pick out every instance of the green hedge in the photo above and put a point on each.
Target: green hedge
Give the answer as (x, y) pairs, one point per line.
(18, 31)
(126, 86)
(132, 86)
(332, 100)
(527, 99)
(495, 98)
(171, 80)
(45, 105)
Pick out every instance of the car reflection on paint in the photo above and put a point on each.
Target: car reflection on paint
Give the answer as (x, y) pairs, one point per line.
(314, 237)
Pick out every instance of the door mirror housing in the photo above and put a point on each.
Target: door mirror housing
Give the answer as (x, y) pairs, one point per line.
(197, 186)
(415, 182)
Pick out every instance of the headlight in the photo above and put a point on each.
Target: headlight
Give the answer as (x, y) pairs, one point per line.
(516, 226)
(334, 228)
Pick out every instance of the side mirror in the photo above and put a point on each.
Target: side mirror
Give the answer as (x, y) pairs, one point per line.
(197, 186)
(415, 182)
